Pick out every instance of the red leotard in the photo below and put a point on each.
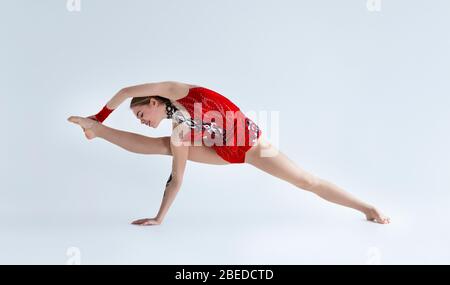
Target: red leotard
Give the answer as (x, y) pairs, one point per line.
(239, 132)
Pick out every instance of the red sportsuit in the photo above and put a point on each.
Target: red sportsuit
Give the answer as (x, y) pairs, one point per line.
(220, 117)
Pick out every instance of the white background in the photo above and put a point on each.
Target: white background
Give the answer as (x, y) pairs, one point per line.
(363, 101)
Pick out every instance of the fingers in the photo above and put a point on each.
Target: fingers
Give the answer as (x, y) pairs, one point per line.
(144, 222)
(139, 222)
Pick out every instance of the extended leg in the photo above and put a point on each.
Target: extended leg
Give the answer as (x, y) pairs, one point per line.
(282, 167)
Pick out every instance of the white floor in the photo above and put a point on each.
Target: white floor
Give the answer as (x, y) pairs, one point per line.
(314, 232)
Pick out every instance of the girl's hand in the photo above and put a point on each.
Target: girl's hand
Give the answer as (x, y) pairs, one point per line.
(147, 222)
(89, 126)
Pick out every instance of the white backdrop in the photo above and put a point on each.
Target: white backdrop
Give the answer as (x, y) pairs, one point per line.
(362, 95)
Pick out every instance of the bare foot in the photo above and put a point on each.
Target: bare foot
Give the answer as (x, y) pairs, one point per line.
(374, 215)
(89, 126)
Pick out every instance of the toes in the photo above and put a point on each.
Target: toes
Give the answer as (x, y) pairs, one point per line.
(370, 218)
(384, 221)
(74, 119)
(378, 218)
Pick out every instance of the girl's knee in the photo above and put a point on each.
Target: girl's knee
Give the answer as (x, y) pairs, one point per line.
(308, 182)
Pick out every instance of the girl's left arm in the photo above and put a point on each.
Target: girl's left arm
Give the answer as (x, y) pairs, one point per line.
(163, 89)
(167, 89)
(180, 153)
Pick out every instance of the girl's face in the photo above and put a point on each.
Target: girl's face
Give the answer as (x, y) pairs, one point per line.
(150, 114)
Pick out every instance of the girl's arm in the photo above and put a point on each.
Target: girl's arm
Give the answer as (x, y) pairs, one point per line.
(163, 89)
(168, 89)
(180, 152)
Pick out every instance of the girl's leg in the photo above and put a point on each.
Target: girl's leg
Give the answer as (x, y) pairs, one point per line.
(161, 145)
(134, 142)
(267, 158)
(142, 144)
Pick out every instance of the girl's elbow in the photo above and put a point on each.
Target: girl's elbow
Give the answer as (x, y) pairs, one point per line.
(124, 92)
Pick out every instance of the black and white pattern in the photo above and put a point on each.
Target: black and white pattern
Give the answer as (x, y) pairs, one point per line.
(253, 130)
(170, 109)
(195, 125)
(213, 129)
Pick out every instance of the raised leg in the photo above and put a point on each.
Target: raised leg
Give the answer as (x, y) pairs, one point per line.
(142, 144)
(161, 145)
(134, 142)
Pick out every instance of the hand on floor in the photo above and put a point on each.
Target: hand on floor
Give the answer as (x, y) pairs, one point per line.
(147, 222)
